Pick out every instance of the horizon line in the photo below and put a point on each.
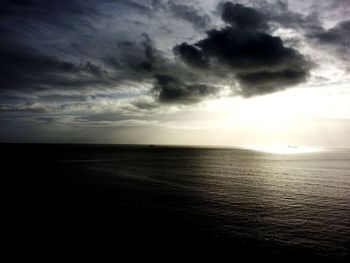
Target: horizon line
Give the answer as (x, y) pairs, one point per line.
(150, 144)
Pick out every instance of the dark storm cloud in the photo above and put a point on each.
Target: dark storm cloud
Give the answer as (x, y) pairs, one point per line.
(261, 62)
(240, 16)
(192, 55)
(169, 89)
(264, 82)
(249, 51)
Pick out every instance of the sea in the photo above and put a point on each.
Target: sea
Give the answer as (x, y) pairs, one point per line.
(244, 202)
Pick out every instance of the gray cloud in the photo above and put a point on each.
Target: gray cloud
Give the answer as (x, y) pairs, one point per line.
(337, 39)
(24, 68)
(278, 14)
(311, 27)
(190, 14)
(168, 89)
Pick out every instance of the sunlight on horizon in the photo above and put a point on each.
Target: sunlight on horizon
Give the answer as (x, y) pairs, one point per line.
(283, 149)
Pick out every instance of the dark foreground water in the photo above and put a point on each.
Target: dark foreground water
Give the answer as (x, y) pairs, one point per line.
(246, 203)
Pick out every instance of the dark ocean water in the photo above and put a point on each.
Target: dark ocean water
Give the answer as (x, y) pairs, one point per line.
(273, 205)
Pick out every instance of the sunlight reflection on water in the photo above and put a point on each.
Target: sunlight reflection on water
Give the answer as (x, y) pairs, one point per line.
(281, 149)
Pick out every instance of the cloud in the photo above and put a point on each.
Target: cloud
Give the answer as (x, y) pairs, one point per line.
(264, 82)
(189, 13)
(24, 68)
(192, 55)
(168, 89)
(309, 27)
(192, 14)
(261, 62)
(337, 39)
(71, 48)
(243, 49)
(243, 17)
(337, 34)
(278, 14)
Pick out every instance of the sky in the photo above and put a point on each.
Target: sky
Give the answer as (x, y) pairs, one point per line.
(188, 72)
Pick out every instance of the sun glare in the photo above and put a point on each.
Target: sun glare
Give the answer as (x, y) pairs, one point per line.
(281, 149)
